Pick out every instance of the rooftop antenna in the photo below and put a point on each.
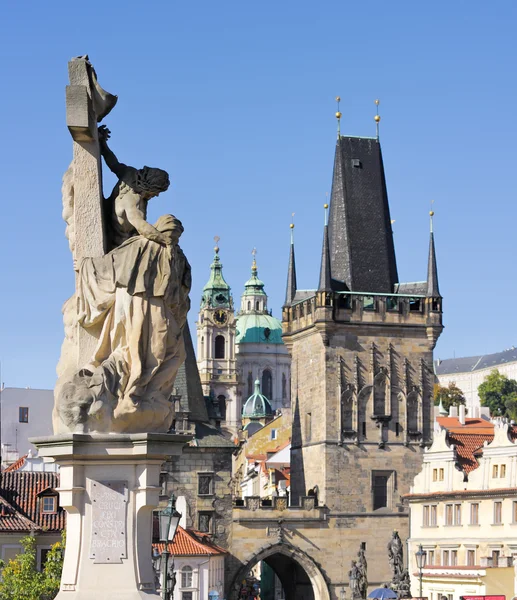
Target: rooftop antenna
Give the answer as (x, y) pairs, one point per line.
(292, 228)
(377, 118)
(338, 117)
(326, 207)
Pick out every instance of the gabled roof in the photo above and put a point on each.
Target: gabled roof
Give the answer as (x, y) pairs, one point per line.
(21, 510)
(475, 363)
(189, 542)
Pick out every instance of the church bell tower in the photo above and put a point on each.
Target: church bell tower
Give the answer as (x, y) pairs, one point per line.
(216, 348)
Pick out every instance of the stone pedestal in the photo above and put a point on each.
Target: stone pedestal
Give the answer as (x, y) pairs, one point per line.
(109, 486)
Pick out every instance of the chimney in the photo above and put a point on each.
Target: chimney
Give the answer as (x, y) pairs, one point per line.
(453, 411)
(462, 414)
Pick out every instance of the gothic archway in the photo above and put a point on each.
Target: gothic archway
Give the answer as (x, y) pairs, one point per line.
(316, 587)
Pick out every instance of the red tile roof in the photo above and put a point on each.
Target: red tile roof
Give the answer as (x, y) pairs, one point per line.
(191, 543)
(468, 446)
(17, 464)
(20, 502)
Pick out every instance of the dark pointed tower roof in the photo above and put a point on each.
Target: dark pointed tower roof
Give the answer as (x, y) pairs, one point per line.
(433, 291)
(325, 284)
(362, 253)
(291, 273)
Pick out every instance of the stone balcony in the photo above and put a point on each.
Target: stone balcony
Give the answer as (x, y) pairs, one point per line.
(272, 509)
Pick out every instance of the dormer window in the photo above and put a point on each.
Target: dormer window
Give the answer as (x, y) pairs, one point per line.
(49, 504)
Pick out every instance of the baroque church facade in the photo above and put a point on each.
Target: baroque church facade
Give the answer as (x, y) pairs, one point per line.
(237, 349)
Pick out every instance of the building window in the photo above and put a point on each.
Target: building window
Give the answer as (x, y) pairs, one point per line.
(381, 489)
(474, 513)
(445, 558)
(250, 383)
(435, 474)
(434, 515)
(448, 514)
(186, 577)
(442, 474)
(514, 512)
(249, 305)
(284, 387)
(426, 516)
(187, 595)
(219, 346)
(471, 558)
(495, 471)
(274, 434)
(205, 522)
(308, 427)
(42, 557)
(267, 384)
(430, 557)
(205, 484)
(498, 509)
(48, 504)
(368, 303)
(495, 557)
(503, 471)
(23, 414)
(454, 558)
(392, 304)
(457, 514)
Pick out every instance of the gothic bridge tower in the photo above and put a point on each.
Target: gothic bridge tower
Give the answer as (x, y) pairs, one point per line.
(362, 360)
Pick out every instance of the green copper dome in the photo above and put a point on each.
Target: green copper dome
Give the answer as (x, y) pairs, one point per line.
(257, 405)
(254, 287)
(258, 328)
(216, 293)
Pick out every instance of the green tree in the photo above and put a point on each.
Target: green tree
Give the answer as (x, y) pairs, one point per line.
(450, 395)
(499, 393)
(22, 581)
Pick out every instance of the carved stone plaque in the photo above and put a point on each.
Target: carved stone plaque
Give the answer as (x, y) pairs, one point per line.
(109, 509)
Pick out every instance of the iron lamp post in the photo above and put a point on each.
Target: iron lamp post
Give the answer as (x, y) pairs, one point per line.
(342, 594)
(168, 520)
(421, 558)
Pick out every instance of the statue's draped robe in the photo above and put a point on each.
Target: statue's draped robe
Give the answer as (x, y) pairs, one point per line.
(137, 298)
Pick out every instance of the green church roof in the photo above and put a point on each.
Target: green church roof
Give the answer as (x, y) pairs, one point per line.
(258, 328)
(216, 292)
(254, 286)
(257, 405)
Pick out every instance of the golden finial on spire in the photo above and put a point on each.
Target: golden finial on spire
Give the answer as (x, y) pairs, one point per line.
(338, 117)
(377, 118)
(254, 263)
(431, 214)
(292, 227)
(326, 207)
(216, 240)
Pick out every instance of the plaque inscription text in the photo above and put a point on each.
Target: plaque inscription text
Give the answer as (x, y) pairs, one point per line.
(109, 509)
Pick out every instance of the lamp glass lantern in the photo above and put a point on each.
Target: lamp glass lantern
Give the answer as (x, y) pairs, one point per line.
(421, 557)
(169, 519)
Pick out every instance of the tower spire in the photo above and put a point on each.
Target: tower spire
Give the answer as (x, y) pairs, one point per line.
(291, 271)
(433, 290)
(216, 293)
(325, 284)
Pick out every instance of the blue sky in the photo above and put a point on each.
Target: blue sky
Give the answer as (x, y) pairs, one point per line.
(236, 101)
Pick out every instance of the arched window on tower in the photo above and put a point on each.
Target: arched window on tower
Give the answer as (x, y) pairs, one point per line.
(249, 305)
(219, 346)
(250, 383)
(221, 407)
(257, 305)
(284, 387)
(267, 384)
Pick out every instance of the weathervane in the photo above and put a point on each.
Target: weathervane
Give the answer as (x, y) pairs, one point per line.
(377, 118)
(254, 264)
(431, 214)
(292, 227)
(216, 240)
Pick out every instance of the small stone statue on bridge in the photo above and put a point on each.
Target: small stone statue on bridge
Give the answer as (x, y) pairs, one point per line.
(400, 582)
(362, 567)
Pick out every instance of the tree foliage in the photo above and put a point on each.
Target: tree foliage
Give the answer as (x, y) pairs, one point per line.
(499, 393)
(22, 581)
(450, 395)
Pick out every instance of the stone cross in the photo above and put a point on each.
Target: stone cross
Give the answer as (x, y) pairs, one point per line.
(81, 119)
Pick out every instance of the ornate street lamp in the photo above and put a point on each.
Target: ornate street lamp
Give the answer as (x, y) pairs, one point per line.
(168, 520)
(421, 558)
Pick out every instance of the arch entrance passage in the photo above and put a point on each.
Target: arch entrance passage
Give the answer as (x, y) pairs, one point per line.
(298, 574)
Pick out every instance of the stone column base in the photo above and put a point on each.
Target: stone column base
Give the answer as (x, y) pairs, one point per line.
(109, 486)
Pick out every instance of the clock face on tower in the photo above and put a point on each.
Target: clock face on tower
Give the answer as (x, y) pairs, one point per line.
(220, 317)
